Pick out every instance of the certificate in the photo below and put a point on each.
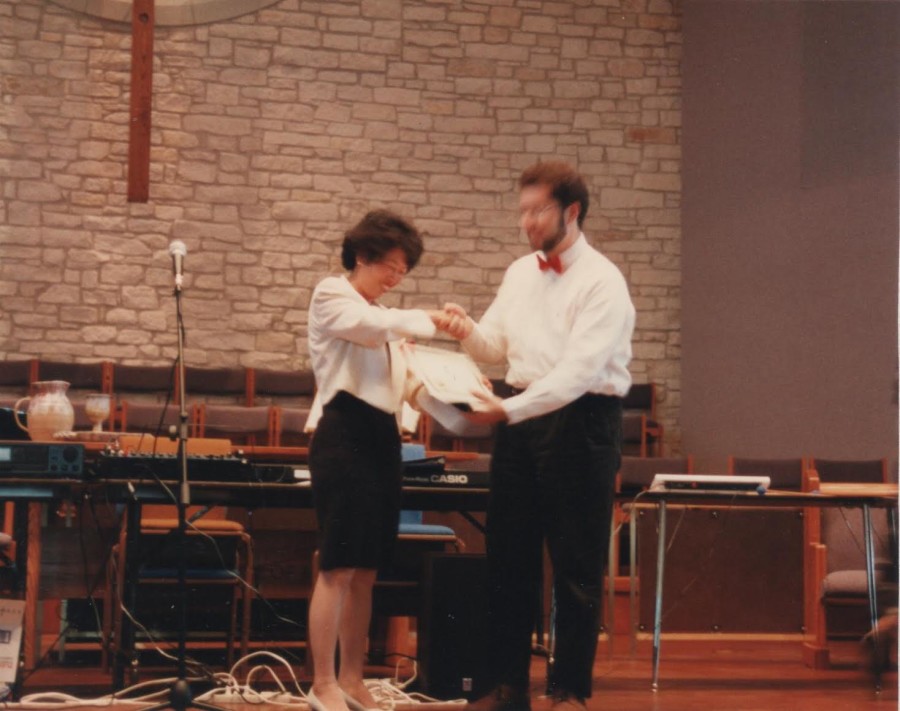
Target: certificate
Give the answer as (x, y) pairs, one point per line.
(448, 376)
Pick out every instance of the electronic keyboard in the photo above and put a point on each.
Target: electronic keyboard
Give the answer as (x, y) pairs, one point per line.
(167, 467)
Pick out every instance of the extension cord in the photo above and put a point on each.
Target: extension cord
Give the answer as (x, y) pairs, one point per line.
(235, 696)
(283, 697)
(225, 696)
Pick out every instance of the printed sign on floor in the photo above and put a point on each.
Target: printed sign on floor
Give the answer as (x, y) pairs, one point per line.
(11, 612)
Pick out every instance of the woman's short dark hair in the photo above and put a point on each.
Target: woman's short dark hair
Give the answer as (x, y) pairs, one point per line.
(378, 233)
(566, 185)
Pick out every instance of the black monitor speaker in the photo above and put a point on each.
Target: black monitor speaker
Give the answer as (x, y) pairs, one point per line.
(453, 627)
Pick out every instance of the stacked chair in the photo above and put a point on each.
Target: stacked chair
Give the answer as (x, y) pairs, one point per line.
(837, 589)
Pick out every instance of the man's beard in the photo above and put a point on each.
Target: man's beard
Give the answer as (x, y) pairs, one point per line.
(553, 241)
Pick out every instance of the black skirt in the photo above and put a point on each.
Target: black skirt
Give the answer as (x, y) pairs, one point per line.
(354, 463)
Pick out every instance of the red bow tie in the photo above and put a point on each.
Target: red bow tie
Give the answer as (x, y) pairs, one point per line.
(553, 263)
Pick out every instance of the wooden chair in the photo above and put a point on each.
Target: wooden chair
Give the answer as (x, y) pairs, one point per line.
(785, 474)
(226, 384)
(238, 423)
(80, 376)
(835, 578)
(289, 426)
(157, 381)
(475, 438)
(157, 419)
(642, 433)
(160, 382)
(146, 398)
(219, 551)
(281, 387)
(636, 473)
(291, 393)
(850, 470)
(145, 389)
(16, 377)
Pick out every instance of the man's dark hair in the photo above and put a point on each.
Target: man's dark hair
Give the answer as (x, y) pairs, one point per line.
(378, 233)
(566, 185)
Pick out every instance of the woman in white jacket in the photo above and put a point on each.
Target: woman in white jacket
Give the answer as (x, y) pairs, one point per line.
(362, 380)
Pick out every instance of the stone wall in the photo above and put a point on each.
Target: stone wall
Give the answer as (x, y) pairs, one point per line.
(275, 131)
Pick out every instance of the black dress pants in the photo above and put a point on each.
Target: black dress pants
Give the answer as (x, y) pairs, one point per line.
(553, 479)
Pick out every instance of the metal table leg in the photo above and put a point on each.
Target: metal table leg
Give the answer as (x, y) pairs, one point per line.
(870, 585)
(124, 654)
(632, 578)
(612, 560)
(657, 614)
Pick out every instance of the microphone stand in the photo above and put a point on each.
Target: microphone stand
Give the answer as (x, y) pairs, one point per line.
(180, 696)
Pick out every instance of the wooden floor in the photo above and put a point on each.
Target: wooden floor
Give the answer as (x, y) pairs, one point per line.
(736, 678)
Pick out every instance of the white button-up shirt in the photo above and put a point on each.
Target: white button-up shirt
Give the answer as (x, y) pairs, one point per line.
(349, 341)
(563, 335)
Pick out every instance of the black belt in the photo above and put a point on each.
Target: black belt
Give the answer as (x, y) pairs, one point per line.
(518, 391)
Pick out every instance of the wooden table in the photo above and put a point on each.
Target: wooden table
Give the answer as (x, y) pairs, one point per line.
(865, 496)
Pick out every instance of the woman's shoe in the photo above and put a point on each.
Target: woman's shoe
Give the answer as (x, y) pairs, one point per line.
(354, 705)
(314, 703)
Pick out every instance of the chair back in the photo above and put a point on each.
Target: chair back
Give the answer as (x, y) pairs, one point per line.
(842, 534)
(473, 438)
(641, 396)
(157, 379)
(229, 383)
(288, 388)
(80, 376)
(149, 417)
(785, 474)
(18, 374)
(642, 433)
(851, 471)
(636, 473)
(289, 426)
(238, 423)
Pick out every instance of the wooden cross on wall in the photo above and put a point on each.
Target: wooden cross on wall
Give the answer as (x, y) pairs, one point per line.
(142, 21)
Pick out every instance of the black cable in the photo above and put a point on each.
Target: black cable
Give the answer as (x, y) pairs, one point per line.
(90, 588)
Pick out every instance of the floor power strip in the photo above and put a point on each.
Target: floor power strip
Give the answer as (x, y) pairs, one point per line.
(248, 696)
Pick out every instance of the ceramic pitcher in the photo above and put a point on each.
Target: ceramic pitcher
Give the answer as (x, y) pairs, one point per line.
(49, 411)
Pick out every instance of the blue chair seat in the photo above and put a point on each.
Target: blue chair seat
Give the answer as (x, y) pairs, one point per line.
(425, 529)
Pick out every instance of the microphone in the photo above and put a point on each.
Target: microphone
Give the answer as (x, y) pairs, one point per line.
(178, 250)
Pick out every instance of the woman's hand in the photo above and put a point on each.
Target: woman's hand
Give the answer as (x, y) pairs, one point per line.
(440, 319)
(457, 323)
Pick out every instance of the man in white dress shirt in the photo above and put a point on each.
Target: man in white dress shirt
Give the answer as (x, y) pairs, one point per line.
(563, 321)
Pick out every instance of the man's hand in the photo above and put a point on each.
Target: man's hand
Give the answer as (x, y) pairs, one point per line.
(440, 319)
(489, 411)
(457, 323)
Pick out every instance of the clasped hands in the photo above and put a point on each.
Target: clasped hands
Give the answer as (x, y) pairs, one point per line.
(455, 322)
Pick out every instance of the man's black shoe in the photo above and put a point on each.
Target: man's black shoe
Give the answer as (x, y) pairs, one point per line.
(503, 698)
(567, 701)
